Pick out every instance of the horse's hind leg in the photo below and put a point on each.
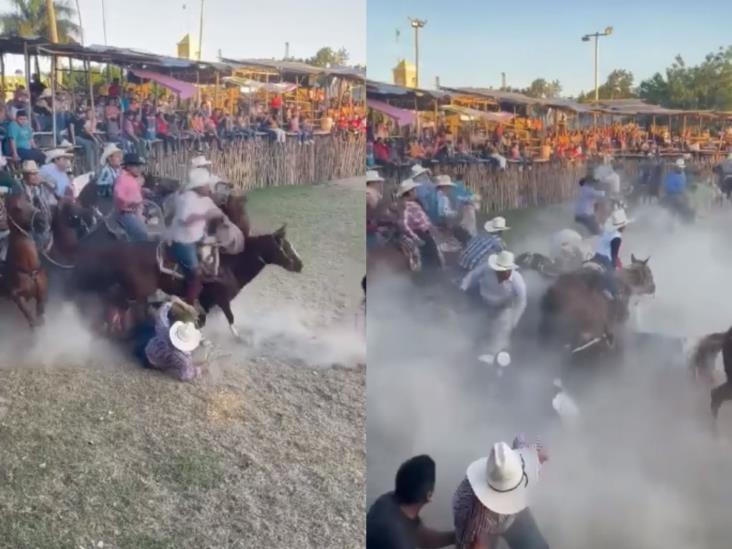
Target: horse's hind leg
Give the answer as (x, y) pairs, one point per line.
(225, 305)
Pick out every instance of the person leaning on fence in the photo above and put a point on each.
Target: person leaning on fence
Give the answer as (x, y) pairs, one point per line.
(393, 521)
(111, 162)
(492, 502)
(55, 172)
(417, 226)
(128, 198)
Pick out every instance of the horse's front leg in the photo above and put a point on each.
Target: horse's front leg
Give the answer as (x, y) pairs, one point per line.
(20, 299)
(225, 305)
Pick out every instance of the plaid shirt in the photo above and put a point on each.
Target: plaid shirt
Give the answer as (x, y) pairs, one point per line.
(415, 220)
(162, 355)
(479, 247)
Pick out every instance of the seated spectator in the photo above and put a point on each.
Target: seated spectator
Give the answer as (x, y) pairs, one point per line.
(82, 133)
(162, 128)
(114, 88)
(20, 140)
(20, 102)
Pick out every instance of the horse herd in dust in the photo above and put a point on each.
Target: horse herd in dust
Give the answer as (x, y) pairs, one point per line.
(84, 260)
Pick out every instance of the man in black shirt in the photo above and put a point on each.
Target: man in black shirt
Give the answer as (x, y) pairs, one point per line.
(393, 521)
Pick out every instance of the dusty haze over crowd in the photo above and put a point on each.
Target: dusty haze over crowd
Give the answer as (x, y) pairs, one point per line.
(642, 469)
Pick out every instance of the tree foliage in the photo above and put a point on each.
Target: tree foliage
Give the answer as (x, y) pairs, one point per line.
(329, 57)
(29, 18)
(619, 85)
(705, 86)
(542, 88)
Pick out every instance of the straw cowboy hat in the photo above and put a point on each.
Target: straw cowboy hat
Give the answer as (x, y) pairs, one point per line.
(184, 336)
(197, 178)
(502, 261)
(496, 225)
(680, 163)
(200, 162)
(418, 169)
(46, 93)
(109, 150)
(406, 186)
(619, 219)
(501, 481)
(444, 181)
(55, 154)
(29, 166)
(373, 176)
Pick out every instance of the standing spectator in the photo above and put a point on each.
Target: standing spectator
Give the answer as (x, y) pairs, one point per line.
(36, 87)
(114, 88)
(82, 130)
(393, 521)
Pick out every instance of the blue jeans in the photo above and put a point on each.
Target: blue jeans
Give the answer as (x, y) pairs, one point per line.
(609, 269)
(135, 226)
(187, 257)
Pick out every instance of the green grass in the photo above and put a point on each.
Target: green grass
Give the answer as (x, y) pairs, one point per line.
(132, 458)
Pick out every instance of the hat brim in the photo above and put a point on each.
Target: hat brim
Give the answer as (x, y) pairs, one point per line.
(186, 346)
(415, 173)
(405, 191)
(504, 503)
(493, 263)
(450, 184)
(490, 228)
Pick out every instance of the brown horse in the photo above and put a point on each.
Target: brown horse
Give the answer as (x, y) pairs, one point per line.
(125, 273)
(702, 360)
(575, 309)
(24, 280)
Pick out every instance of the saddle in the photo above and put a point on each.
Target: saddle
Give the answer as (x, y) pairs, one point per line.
(208, 259)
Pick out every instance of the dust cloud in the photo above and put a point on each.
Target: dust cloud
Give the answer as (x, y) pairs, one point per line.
(641, 470)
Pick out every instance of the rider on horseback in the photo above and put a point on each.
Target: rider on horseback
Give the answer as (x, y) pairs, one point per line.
(128, 198)
(584, 210)
(417, 226)
(607, 253)
(482, 245)
(194, 209)
(675, 187)
(55, 174)
(447, 215)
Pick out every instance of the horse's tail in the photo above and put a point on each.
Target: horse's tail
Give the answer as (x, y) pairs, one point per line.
(703, 355)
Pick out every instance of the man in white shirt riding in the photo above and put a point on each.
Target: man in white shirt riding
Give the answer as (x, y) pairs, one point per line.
(502, 288)
(194, 209)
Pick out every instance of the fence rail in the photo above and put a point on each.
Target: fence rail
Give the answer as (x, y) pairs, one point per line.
(253, 164)
(532, 185)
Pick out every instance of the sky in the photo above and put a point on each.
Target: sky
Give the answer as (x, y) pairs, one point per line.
(470, 42)
(250, 28)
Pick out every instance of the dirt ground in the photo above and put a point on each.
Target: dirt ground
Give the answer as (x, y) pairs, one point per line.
(267, 450)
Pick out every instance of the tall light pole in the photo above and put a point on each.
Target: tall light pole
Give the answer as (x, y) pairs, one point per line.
(596, 35)
(200, 33)
(416, 25)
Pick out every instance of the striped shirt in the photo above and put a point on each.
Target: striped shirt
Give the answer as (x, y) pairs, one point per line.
(473, 521)
(480, 247)
(415, 220)
(162, 355)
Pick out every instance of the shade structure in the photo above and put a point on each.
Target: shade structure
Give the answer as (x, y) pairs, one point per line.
(183, 89)
(402, 117)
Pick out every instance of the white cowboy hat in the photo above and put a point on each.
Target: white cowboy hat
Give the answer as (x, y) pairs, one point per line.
(65, 144)
(29, 166)
(444, 181)
(502, 261)
(197, 178)
(418, 169)
(406, 186)
(619, 219)
(501, 481)
(109, 150)
(200, 162)
(680, 163)
(496, 225)
(184, 336)
(373, 175)
(53, 154)
(46, 93)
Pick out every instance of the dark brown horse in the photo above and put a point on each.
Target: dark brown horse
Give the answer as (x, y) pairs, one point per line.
(125, 273)
(702, 361)
(575, 309)
(24, 280)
